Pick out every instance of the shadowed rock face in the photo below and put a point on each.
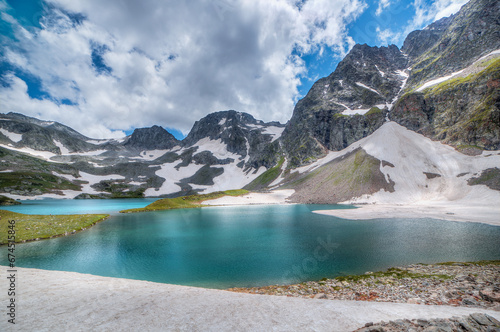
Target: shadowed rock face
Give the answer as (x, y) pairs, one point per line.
(151, 139)
(462, 112)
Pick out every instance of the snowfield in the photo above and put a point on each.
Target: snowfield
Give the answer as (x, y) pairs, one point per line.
(12, 136)
(442, 193)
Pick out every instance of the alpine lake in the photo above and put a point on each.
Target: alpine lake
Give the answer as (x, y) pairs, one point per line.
(244, 246)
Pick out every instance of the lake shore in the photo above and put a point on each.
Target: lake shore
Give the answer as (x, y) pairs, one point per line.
(487, 214)
(55, 300)
(474, 285)
(482, 212)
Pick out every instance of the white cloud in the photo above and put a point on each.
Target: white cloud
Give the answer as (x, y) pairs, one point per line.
(425, 14)
(170, 63)
(446, 8)
(15, 99)
(382, 4)
(387, 37)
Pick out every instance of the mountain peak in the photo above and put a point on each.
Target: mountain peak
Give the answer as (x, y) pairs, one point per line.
(152, 138)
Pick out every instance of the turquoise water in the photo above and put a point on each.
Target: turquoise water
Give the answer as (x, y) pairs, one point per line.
(78, 206)
(221, 247)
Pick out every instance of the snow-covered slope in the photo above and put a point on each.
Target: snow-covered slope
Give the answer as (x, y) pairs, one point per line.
(422, 170)
(425, 170)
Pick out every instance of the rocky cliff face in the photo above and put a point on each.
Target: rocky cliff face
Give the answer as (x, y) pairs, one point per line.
(471, 120)
(347, 105)
(452, 93)
(453, 43)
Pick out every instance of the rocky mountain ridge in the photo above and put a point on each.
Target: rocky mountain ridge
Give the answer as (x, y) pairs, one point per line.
(444, 85)
(48, 158)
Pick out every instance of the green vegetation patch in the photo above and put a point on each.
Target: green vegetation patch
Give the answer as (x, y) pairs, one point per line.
(266, 178)
(373, 111)
(185, 202)
(480, 263)
(4, 200)
(36, 227)
(26, 181)
(391, 273)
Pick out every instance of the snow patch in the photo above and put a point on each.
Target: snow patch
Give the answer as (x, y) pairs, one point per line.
(487, 55)
(273, 197)
(42, 154)
(361, 111)
(367, 87)
(402, 73)
(14, 137)
(250, 125)
(438, 80)
(413, 155)
(233, 178)
(171, 176)
(103, 141)
(88, 153)
(217, 147)
(90, 178)
(280, 178)
(135, 183)
(61, 147)
(150, 154)
(274, 131)
(380, 72)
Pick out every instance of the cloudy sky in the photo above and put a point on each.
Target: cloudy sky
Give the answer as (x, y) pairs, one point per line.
(107, 67)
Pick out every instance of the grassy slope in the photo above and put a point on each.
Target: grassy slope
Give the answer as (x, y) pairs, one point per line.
(185, 202)
(32, 227)
(266, 178)
(351, 175)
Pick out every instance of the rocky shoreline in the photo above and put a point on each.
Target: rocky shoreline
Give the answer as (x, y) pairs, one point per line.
(473, 322)
(475, 285)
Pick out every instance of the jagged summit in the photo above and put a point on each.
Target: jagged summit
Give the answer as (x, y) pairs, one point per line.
(151, 138)
(241, 132)
(347, 105)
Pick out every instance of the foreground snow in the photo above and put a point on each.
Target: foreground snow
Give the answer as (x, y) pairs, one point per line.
(62, 301)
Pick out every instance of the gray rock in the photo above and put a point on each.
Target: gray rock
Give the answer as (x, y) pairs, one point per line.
(320, 296)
